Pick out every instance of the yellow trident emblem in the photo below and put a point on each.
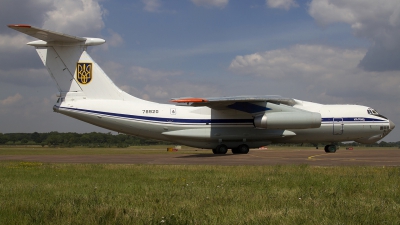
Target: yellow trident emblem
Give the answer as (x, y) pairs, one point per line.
(84, 72)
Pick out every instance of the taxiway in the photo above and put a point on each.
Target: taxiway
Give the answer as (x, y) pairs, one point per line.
(314, 157)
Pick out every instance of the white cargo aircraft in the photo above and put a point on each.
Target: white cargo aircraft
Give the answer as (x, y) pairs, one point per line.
(86, 93)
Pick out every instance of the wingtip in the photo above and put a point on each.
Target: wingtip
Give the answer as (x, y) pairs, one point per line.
(19, 25)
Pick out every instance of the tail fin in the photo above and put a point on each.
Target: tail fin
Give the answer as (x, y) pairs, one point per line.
(71, 67)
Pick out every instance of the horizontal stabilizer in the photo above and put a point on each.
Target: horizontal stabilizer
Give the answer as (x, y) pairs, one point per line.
(53, 36)
(45, 35)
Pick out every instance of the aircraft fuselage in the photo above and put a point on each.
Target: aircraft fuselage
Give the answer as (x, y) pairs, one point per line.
(204, 127)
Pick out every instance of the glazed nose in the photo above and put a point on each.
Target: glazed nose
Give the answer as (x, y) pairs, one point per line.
(391, 125)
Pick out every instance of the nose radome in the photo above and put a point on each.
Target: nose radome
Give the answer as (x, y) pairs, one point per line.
(391, 125)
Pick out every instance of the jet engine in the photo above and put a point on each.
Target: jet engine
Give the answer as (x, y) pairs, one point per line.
(288, 120)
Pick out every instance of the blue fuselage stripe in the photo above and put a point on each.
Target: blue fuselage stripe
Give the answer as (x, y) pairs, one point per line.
(351, 119)
(357, 120)
(161, 119)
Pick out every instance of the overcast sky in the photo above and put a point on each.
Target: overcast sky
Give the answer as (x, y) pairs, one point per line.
(325, 51)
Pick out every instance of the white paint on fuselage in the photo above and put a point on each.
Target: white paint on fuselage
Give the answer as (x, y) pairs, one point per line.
(150, 120)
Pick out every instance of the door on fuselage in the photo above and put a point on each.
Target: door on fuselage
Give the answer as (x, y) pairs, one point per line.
(337, 126)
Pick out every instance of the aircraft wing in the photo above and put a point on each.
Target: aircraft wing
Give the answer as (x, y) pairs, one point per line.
(226, 101)
(253, 104)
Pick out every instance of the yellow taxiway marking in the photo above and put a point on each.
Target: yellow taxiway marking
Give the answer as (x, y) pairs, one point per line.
(312, 157)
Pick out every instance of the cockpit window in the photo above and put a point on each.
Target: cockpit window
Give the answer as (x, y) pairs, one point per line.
(374, 112)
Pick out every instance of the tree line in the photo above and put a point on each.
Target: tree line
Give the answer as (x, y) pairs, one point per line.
(95, 139)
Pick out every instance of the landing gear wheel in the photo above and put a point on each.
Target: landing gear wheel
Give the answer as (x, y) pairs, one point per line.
(235, 151)
(243, 149)
(220, 149)
(330, 148)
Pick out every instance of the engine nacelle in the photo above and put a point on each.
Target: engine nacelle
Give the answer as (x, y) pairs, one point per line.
(288, 120)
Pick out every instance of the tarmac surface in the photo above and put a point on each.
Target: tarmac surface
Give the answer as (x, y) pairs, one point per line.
(314, 157)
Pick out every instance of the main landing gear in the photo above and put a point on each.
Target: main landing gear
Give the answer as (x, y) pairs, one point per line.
(241, 149)
(220, 149)
(223, 149)
(330, 148)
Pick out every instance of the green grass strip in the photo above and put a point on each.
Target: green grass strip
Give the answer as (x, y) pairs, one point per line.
(37, 193)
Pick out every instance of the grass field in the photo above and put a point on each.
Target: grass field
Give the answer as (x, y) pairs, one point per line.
(37, 193)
